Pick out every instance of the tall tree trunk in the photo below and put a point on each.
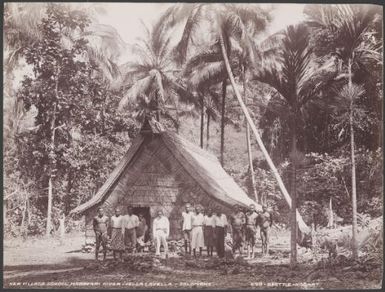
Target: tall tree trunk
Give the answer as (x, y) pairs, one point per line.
(157, 108)
(51, 176)
(303, 227)
(52, 160)
(208, 131)
(224, 86)
(331, 215)
(293, 191)
(354, 189)
(202, 119)
(248, 142)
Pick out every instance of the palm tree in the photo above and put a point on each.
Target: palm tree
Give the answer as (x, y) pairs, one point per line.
(353, 29)
(201, 78)
(224, 21)
(151, 81)
(297, 81)
(238, 19)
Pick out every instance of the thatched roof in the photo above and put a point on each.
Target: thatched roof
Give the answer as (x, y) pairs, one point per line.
(202, 166)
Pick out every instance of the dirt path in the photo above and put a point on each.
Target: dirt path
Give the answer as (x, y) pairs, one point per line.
(47, 264)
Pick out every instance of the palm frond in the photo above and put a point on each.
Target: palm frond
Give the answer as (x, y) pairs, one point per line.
(351, 93)
(206, 55)
(208, 74)
(181, 90)
(158, 78)
(191, 26)
(139, 88)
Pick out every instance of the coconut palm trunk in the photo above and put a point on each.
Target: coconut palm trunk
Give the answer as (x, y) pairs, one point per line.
(224, 87)
(208, 130)
(293, 191)
(354, 189)
(303, 227)
(202, 119)
(248, 142)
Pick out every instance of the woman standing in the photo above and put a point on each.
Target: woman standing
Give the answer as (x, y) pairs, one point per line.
(117, 234)
(197, 238)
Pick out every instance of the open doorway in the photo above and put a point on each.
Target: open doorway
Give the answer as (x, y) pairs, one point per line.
(145, 211)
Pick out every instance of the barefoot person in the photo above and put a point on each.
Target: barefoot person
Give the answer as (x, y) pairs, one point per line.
(130, 223)
(237, 225)
(197, 238)
(161, 231)
(117, 234)
(251, 230)
(100, 225)
(141, 232)
(220, 222)
(186, 228)
(209, 231)
(265, 221)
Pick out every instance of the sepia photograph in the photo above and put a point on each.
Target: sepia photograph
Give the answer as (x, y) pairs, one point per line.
(194, 146)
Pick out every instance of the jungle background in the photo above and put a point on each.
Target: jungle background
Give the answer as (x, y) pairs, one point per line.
(71, 107)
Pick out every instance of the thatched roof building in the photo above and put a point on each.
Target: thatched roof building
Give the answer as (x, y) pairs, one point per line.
(163, 170)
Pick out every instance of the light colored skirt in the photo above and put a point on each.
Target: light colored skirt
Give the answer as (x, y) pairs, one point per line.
(197, 238)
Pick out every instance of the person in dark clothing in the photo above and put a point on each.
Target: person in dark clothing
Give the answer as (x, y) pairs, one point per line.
(265, 221)
(101, 225)
(220, 222)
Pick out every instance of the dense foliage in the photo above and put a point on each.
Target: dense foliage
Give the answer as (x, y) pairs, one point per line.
(77, 134)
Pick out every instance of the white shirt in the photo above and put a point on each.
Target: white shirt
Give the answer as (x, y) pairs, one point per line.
(220, 221)
(209, 221)
(161, 223)
(130, 221)
(187, 220)
(197, 219)
(116, 222)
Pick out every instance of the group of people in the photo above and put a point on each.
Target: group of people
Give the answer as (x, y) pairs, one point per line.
(127, 232)
(208, 229)
(200, 229)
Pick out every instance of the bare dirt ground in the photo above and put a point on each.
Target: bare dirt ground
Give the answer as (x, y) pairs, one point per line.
(43, 263)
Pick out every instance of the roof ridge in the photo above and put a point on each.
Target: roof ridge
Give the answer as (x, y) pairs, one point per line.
(192, 146)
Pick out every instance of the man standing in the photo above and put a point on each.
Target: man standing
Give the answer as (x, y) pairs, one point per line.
(237, 225)
(220, 222)
(130, 223)
(117, 234)
(161, 231)
(197, 237)
(265, 221)
(186, 228)
(251, 229)
(100, 225)
(141, 232)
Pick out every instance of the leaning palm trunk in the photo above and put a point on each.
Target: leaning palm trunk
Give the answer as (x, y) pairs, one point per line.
(202, 120)
(248, 142)
(354, 190)
(224, 83)
(301, 224)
